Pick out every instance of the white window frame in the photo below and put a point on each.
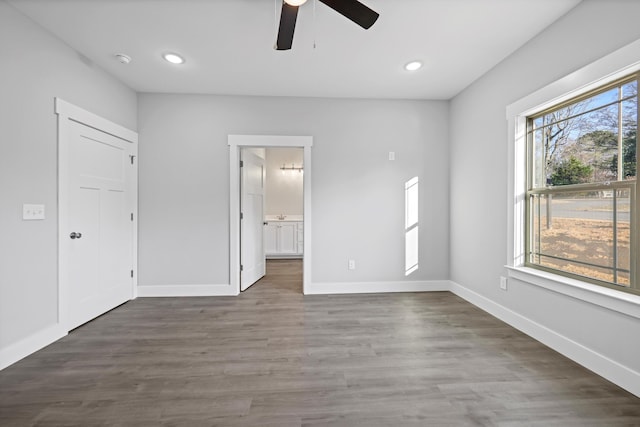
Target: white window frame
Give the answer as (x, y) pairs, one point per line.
(606, 70)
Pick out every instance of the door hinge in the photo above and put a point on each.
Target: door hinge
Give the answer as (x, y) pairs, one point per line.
(241, 267)
(131, 216)
(131, 156)
(241, 164)
(241, 215)
(132, 274)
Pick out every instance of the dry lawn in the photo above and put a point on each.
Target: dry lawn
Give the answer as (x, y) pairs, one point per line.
(567, 239)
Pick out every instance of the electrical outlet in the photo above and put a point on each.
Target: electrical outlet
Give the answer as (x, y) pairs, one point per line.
(352, 264)
(503, 283)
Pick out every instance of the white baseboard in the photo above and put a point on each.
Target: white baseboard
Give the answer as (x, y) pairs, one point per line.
(30, 344)
(376, 287)
(186, 291)
(613, 371)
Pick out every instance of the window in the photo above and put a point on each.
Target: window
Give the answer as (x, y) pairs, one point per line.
(581, 199)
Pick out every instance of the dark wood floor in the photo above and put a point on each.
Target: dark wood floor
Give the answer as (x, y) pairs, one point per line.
(272, 357)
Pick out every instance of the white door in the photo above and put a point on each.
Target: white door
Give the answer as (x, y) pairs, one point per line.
(252, 255)
(98, 229)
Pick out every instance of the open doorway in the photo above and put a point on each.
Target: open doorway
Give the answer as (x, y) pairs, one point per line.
(286, 237)
(283, 217)
(271, 214)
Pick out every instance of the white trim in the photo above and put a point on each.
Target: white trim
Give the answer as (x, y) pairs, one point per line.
(66, 109)
(29, 345)
(609, 68)
(377, 287)
(614, 300)
(186, 291)
(67, 113)
(271, 141)
(134, 251)
(613, 371)
(617, 64)
(237, 141)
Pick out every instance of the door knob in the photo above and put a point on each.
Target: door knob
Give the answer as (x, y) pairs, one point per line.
(75, 235)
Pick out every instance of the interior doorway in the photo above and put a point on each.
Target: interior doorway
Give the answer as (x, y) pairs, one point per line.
(271, 210)
(283, 224)
(286, 235)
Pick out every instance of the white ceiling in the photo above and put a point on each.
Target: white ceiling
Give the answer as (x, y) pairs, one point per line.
(228, 44)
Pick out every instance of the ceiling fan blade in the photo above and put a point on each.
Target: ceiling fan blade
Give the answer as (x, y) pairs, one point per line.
(288, 18)
(354, 10)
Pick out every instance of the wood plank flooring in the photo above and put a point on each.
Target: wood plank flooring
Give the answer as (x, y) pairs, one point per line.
(273, 357)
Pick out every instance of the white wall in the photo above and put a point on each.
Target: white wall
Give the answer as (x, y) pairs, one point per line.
(479, 200)
(283, 191)
(36, 68)
(357, 193)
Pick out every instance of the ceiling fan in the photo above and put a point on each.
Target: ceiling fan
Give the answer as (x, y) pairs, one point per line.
(351, 9)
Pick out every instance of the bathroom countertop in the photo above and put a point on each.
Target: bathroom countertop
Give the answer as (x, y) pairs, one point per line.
(274, 218)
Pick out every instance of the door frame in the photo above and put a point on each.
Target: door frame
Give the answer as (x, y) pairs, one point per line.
(236, 142)
(68, 113)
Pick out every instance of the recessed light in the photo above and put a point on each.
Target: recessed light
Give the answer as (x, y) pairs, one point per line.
(413, 66)
(295, 2)
(174, 58)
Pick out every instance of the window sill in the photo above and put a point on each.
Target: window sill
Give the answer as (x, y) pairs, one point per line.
(611, 299)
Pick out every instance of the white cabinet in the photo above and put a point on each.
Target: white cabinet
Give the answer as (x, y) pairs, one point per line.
(283, 239)
(270, 238)
(299, 237)
(287, 238)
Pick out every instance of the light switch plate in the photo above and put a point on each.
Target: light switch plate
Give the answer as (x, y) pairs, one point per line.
(392, 155)
(32, 212)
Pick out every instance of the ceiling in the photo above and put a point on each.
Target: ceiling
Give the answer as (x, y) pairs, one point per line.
(228, 44)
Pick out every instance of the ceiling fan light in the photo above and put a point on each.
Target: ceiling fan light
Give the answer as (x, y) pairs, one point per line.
(295, 2)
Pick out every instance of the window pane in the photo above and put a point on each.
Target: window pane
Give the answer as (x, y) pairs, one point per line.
(623, 232)
(630, 89)
(556, 118)
(579, 143)
(537, 123)
(538, 162)
(629, 130)
(538, 222)
(575, 232)
(586, 152)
